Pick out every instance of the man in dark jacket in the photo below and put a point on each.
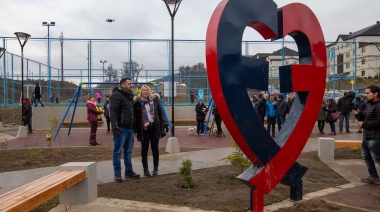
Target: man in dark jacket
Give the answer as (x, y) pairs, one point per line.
(359, 107)
(106, 108)
(280, 111)
(37, 95)
(369, 121)
(27, 114)
(289, 103)
(345, 106)
(218, 121)
(122, 122)
(262, 107)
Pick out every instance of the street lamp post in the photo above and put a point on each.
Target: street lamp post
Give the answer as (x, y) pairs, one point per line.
(103, 61)
(48, 56)
(22, 39)
(2, 51)
(175, 5)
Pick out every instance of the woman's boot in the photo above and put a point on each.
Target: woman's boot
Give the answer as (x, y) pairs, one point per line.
(155, 171)
(146, 172)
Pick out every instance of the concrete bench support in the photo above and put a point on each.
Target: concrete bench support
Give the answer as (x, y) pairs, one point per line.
(172, 146)
(326, 148)
(85, 191)
(21, 132)
(1, 126)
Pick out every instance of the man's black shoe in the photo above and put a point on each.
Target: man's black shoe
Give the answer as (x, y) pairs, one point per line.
(132, 174)
(118, 178)
(146, 172)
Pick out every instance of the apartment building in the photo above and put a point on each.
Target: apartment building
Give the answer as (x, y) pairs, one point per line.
(357, 52)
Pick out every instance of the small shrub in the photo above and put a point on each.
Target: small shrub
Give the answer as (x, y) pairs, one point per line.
(238, 159)
(357, 150)
(185, 171)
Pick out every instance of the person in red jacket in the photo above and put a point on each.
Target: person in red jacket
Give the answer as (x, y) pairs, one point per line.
(92, 116)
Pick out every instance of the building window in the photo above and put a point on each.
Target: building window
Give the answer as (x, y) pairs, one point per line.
(286, 62)
(348, 55)
(332, 59)
(295, 62)
(332, 69)
(363, 49)
(363, 61)
(363, 73)
(347, 65)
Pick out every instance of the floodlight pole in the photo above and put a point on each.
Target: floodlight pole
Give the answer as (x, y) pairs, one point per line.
(24, 37)
(103, 61)
(48, 57)
(172, 14)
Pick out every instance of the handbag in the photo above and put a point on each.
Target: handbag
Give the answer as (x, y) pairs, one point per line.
(335, 116)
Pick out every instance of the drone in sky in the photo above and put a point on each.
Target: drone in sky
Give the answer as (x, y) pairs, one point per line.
(110, 20)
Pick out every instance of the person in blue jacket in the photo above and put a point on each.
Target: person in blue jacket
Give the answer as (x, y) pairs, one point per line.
(271, 115)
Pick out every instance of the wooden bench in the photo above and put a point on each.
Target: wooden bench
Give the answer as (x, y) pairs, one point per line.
(348, 143)
(74, 185)
(80, 122)
(39, 191)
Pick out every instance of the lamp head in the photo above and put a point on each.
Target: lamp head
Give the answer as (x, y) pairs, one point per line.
(172, 1)
(52, 23)
(22, 37)
(44, 23)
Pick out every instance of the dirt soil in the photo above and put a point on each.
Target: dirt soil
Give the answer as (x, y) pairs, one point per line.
(218, 189)
(215, 188)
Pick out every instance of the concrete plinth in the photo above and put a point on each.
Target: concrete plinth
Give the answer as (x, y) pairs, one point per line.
(326, 148)
(85, 191)
(21, 132)
(172, 146)
(1, 126)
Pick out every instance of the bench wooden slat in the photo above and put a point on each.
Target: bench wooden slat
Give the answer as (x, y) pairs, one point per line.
(348, 143)
(26, 187)
(80, 122)
(30, 197)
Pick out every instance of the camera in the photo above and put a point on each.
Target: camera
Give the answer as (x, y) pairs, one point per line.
(351, 95)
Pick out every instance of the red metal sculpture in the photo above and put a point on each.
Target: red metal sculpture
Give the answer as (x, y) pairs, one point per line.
(230, 74)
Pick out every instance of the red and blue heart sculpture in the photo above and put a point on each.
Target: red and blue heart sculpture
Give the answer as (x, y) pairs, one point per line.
(230, 74)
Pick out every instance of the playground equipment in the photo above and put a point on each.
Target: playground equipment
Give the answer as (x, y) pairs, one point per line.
(76, 97)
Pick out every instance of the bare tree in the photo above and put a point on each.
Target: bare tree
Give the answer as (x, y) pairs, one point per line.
(111, 74)
(136, 69)
(198, 69)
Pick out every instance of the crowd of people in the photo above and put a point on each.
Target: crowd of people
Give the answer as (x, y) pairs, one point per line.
(274, 108)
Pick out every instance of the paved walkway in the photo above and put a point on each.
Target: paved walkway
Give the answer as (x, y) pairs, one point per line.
(354, 194)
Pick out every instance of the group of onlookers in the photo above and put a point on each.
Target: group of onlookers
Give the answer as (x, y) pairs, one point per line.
(274, 108)
(130, 116)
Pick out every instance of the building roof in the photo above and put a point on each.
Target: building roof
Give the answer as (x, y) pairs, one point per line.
(373, 30)
(261, 56)
(287, 51)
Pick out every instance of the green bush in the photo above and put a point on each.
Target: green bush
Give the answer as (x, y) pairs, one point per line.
(238, 159)
(185, 171)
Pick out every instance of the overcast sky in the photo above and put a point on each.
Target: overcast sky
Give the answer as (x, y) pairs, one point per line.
(148, 19)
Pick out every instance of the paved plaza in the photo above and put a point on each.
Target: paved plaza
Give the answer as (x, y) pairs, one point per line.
(353, 194)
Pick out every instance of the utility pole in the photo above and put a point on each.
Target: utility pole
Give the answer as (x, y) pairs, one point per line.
(61, 39)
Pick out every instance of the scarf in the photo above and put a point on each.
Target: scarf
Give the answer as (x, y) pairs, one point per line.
(145, 117)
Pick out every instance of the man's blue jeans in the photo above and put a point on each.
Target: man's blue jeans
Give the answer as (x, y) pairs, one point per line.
(371, 154)
(124, 141)
(347, 118)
